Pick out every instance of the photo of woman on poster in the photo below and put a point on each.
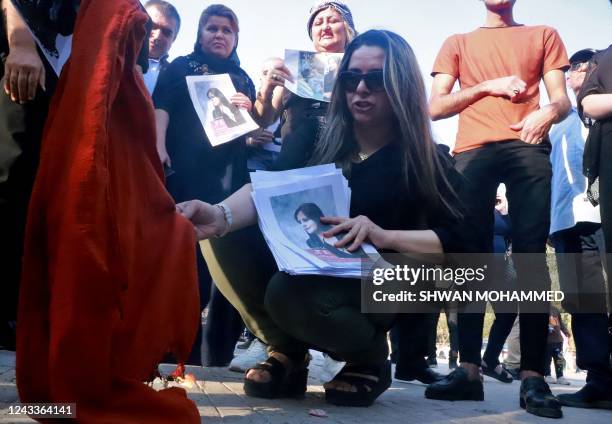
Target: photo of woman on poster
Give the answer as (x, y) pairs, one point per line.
(222, 109)
(308, 215)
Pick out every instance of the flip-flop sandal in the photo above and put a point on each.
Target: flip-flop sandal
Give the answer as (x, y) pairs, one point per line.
(369, 382)
(281, 384)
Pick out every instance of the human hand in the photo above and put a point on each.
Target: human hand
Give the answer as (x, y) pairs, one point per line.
(511, 87)
(275, 76)
(23, 73)
(258, 140)
(208, 220)
(358, 230)
(535, 126)
(242, 101)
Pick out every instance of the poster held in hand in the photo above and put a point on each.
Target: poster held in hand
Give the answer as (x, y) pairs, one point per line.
(290, 205)
(314, 73)
(222, 121)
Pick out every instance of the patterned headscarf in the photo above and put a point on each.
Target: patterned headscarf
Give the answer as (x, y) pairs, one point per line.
(338, 6)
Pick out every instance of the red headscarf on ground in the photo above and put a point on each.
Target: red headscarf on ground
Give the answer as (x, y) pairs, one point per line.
(109, 281)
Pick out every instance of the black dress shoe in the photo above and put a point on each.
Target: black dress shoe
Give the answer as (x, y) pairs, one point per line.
(515, 373)
(425, 376)
(587, 397)
(456, 386)
(537, 398)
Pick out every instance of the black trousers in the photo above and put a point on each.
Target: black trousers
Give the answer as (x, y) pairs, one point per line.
(605, 190)
(554, 353)
(525, 169)
(451, 323)
(502, 325)
(579, 253)
(409, 340)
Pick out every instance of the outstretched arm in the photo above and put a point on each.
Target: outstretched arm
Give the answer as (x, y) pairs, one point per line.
(444, 104)
(209, 220)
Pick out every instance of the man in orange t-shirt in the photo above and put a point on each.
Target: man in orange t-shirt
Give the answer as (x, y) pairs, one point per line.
(503, 137)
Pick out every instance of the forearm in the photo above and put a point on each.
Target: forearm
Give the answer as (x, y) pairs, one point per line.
(446, 105)
(263, 112)
(558, 109)
(414, 241)
(161, 126)
(597, 106)
(243, 208)
(17, 31)
(266, 107)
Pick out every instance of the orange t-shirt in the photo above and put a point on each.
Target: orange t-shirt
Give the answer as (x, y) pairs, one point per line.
(527, 52)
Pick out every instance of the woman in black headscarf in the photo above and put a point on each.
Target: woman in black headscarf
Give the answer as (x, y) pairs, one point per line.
(330, 26)
(200, 170)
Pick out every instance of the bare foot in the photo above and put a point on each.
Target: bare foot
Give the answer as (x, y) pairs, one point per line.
(263, 376)
(343, 386)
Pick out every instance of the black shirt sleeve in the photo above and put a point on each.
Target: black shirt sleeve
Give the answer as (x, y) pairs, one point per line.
(598, 79)
(170, 86)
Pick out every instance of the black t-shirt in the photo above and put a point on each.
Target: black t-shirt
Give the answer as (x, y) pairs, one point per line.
(599, 76)
(378, 192)
(301, 122)
(201, 171)
(597, 81)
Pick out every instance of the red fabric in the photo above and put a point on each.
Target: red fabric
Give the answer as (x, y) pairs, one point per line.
(109, 281)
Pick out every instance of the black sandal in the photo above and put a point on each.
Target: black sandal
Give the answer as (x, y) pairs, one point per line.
(370, 382)
(504, 376)
(281, 384)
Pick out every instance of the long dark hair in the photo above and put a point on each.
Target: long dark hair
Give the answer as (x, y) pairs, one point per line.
(423, 172)
(215, 92)
(311, 211)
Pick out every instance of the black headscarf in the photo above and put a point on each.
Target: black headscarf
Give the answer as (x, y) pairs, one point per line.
(200, 62)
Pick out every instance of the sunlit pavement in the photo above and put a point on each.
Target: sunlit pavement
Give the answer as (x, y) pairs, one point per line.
(220, 398)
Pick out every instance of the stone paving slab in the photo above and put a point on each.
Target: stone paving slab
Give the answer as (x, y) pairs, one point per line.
(220, 399)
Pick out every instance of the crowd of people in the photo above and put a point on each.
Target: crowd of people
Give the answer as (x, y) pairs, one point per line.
(112, 281)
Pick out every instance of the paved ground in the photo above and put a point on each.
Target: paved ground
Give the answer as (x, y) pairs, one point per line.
(219, 396)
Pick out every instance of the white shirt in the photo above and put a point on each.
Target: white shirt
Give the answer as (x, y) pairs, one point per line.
(569, 203)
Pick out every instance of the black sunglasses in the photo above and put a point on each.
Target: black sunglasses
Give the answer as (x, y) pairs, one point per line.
(374, 80)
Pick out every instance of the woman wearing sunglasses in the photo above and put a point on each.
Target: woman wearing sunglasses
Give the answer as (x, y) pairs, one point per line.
(330, 27)
(403, 200)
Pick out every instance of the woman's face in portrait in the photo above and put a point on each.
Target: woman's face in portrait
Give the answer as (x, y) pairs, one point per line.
(218, 37)
(369, 104)
(328, 31)
(214, 100)
(309, 225)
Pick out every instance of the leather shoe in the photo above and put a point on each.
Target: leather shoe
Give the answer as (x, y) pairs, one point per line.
(456, 386)
(587, 397)
(537, 398)
(425, 376)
